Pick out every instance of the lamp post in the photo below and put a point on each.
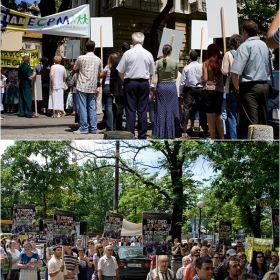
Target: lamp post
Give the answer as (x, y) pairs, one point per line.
(200, 205)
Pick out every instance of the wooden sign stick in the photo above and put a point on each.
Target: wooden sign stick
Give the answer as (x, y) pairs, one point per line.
(35, 96)
(201, 44)
(101, 43)
(172, 39)
(72, 52)
(223, 29)
(156, 265)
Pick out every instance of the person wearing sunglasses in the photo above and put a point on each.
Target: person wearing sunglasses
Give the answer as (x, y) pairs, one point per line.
(189, 272)
(258, 265)
(216, 259)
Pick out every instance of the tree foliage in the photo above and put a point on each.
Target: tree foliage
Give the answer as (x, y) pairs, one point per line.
(248, 178)
(260, 11)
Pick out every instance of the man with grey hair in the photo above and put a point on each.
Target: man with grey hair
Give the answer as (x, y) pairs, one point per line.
(185, 261)
(108, 266)
(136, 68)
(25, 89)
(163, 272)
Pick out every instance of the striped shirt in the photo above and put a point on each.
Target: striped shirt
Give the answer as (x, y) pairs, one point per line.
(90, 67)
(71, 261)
(167, 275)
(275, 36)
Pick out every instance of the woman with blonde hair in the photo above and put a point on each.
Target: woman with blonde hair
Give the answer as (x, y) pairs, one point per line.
(271, 275)
(58, 76)
(107, 98)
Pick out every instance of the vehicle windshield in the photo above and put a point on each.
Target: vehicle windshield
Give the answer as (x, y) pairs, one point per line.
(131, 252)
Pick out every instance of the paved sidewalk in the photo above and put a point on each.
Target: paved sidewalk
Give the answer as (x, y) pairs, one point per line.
(48, 128)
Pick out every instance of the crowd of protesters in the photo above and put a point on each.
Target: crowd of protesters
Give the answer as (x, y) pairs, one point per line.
(230, 91)
(89, 261)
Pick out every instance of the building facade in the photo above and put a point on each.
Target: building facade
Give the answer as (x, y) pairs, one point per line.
(138, 15)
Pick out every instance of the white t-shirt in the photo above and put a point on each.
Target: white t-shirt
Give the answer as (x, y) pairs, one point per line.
(15, 256)
(53, 265)
(108, 266)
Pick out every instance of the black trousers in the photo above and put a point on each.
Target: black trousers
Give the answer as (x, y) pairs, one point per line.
(136, 94)
(252, 104)
(189, 95)
(118, 109)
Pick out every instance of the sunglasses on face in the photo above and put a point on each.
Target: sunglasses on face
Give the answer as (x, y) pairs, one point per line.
(260, 257)
(216, 257)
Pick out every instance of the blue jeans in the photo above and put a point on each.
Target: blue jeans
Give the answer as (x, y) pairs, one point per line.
(231, 121)
(108, 102)
(224, 115)
(86, 108)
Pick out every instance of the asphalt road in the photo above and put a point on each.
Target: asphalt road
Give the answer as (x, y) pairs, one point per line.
(48, 128)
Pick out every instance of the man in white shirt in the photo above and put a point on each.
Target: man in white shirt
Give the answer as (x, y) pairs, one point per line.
(136, 68)
(191, 89)
(107, 266)
(56, 267)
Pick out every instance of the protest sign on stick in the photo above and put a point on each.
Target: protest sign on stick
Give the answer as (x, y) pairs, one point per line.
(64, 227)
(156, 228)
(24, 218)
(222, 19)
(174, 38)
(107, 29)
(225, 233)
(73, 49)
(113, 225)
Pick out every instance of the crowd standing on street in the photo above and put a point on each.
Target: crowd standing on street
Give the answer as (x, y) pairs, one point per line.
(230, 90)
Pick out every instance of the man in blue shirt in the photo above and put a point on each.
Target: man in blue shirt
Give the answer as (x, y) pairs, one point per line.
(250, 68)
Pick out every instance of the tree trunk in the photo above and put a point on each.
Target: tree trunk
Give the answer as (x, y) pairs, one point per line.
(156, 23)
(47, 7)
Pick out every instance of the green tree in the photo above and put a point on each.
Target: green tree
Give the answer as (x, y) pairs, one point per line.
(248, 179)
(36, 172)
(260, 11)
(174, 157)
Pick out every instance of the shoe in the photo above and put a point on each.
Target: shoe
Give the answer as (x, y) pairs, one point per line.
(185, 136)
(21, 116)
(1, 118)
(33, 117)
(73, 114)
(80, 132)
(92, 131)
(104, 130)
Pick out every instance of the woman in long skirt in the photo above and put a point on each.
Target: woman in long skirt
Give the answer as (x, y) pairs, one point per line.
(167, 118)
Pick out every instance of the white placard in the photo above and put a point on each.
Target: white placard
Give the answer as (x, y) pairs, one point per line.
(197, 25)
(107, 28)
(214, 18)
(73, 49)
(174, 38)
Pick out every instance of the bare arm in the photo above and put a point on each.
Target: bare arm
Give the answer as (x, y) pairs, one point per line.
(51, 77)
(273, 27)
(204, 77)
(235, 78)
(102, 74)
(121, 75)
(100, 274)
(176, 73)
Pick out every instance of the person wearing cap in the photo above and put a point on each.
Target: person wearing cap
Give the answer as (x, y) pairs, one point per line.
(233, 268)
(57, 269)
(108, 266)
(219, 272)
